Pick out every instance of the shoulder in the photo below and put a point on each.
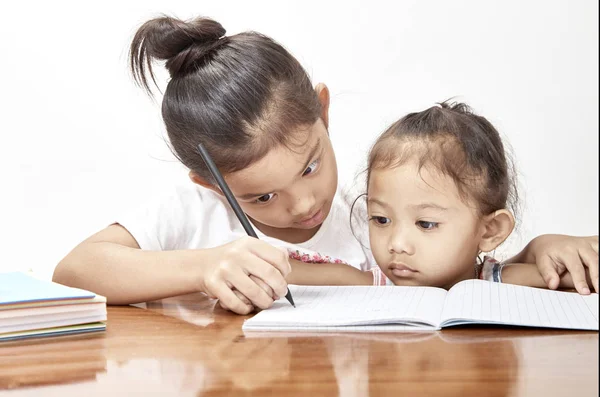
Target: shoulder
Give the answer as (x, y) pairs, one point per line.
(179, 218)
(185, 197)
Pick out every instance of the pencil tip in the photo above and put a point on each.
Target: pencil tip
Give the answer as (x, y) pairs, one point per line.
(288, 296)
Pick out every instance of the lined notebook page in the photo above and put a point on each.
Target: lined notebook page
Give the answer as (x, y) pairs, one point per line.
(483, 302)
(359, 308)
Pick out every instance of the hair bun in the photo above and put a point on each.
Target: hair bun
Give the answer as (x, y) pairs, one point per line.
(183, 45)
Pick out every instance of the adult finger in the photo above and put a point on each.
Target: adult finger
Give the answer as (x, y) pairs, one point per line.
(590, 259)
(575, 266)
(547, 268)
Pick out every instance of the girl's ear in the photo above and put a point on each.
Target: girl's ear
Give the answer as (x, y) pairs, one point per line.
(323, 94)
(498, 226)
(198, 180)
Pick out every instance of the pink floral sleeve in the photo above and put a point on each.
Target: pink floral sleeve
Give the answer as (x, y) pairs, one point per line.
(314, 257)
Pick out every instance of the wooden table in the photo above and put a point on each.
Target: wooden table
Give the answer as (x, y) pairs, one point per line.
(189, 346)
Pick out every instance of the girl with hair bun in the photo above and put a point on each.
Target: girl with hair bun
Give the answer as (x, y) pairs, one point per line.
(253, 107)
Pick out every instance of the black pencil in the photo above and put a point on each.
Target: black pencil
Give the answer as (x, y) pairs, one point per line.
(232, 201)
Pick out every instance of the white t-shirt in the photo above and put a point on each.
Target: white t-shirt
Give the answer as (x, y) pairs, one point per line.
(193, 217)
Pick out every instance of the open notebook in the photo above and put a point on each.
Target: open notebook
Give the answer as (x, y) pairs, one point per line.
(391, 309)
(32, 307)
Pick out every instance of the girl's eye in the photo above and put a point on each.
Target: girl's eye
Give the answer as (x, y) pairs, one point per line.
(380, 220)
(427, 225)
(265, 198)
(312, 167)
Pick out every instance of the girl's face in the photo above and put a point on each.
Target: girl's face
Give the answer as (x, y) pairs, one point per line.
(421, 231)
(288, 193)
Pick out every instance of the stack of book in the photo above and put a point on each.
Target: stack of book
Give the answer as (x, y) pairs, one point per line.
(30, 307)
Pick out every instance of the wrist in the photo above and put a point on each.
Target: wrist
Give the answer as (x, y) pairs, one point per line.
(190, 266)
(522, 274)
(490, 270)
(526, 255)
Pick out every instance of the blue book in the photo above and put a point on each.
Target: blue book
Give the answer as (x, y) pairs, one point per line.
(19, 287)
(30, 307)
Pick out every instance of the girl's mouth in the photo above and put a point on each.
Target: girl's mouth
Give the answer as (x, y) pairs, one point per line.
(313, 220)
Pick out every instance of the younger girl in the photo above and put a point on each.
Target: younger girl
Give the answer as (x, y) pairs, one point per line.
(253, 107)
(439, 189)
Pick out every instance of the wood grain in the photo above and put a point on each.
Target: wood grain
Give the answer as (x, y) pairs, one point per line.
(189, 346)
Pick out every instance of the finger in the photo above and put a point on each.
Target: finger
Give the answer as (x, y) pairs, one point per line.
(240, 296)
(276, 257)
(547, 269)
(590, 259)
(268, 274)
(567, 281)
(230, 301)
(265, 287)
(223, 306)
(594, 243)
(574, 265)
(243, 298)
(256, 295)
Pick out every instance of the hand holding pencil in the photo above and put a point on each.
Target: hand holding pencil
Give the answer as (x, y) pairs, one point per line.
(245, 274)
(260, 275)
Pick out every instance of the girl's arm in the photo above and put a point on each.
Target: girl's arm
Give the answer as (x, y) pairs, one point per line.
(529, 275)
(111, 263)
(327, 274)
(556, 255)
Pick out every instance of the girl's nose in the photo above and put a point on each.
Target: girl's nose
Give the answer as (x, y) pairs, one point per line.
(400, 242)
(303, 206)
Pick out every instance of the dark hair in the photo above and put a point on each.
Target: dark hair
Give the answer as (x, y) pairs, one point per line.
(460, 144)
(238, 95)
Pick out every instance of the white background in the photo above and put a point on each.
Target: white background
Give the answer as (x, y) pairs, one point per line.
(80, 143)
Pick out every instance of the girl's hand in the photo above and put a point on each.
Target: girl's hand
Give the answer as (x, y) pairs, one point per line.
(557, 254)
(315, 274)
(245, 273)
(529, 275)
(258, 282)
